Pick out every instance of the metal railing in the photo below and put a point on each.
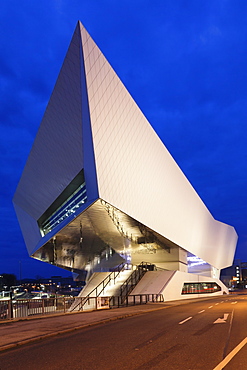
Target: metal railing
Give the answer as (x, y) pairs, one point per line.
(12, 309)
(100, 287)
(125, 289)
(134, 279)
(23, 308)
(135, 299)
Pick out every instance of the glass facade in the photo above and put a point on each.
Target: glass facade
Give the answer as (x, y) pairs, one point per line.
(76, 200)
(72, 198)
(200, 288)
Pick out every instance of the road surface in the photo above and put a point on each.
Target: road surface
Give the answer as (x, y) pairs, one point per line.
(192, 336)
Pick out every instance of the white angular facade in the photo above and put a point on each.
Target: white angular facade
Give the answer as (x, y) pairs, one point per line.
(133, 203)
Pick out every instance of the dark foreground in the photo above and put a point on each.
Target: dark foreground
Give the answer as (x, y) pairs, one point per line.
(197, 335)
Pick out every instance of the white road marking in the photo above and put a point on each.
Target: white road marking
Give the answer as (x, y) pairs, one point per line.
(222, 302)
(188, 318)
(234, 302)
(228, 358)
(210, 306)
(223, 320)
(216, 304)
(201, 311)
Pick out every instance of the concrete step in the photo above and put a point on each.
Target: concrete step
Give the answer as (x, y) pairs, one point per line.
(114, 289)
(93, 282)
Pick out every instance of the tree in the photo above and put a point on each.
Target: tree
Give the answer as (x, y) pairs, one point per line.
(7, 280)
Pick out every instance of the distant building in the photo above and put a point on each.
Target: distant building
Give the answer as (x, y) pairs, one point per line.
(243, 272)
(235, 276)
(54, 284)
(100, 188)
(232, 275)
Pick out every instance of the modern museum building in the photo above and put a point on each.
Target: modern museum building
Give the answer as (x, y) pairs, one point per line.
(100, 189)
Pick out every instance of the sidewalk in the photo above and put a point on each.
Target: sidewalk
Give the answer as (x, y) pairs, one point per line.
(22, 331)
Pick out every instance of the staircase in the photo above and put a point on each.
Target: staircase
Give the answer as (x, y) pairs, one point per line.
(117, 285)
(98, 285)
(115, 288)
(134, 279)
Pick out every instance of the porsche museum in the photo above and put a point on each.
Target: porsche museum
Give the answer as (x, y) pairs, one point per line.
(100, 189)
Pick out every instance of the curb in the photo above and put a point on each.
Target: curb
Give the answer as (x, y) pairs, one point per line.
(65, 331)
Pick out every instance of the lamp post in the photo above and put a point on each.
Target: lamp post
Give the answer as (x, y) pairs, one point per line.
(11, 302)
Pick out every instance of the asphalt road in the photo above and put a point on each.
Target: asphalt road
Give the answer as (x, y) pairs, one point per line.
(192, 336)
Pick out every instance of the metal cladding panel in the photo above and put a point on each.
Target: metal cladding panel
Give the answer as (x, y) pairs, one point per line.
(92, 122)
(136, 173)
(56, 156)
(29, 228)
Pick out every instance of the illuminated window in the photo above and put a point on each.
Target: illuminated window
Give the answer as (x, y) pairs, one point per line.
(72, 198)
(200, 288)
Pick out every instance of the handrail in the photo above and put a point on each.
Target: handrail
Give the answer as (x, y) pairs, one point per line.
(108, 278)
(12, 309)
(134, 278)
(134, 299)
(126, 287)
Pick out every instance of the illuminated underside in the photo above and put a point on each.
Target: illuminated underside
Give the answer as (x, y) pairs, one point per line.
(102, 237)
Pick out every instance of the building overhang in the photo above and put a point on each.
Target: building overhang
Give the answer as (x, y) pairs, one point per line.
(90, 239)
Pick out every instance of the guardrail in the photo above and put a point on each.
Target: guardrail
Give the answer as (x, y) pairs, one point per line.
(21, 308)
(135, 299)
(12, 309)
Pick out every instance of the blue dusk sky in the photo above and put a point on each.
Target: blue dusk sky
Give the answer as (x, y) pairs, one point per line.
(185, 64)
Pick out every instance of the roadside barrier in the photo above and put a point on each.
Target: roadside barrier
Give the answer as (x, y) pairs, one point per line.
(21, 308)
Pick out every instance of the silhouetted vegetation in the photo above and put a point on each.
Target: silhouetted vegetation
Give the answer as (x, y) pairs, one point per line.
(7, 280)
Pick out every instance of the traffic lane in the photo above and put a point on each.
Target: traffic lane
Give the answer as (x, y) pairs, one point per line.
(239, 360)
(160, 337)
(238, 335)
(224, 316)
(199, 345)
(217, 343)
(236, 347)
(239, 324)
